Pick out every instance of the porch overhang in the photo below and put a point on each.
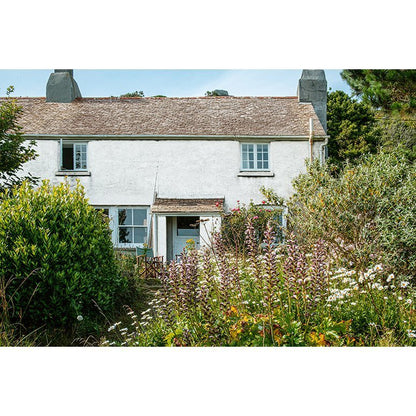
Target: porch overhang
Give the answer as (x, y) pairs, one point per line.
(181, 206)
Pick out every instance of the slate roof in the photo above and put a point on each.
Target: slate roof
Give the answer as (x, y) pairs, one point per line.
(229, 116)
(195, 205)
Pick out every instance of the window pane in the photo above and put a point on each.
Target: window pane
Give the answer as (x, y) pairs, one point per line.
(139, 217)
(67, 156)
(125, 235)
(188, 233)
(259, 155)
(125, 217)
(262, 156)
(80, 156)
(140, 234)
(187, 226)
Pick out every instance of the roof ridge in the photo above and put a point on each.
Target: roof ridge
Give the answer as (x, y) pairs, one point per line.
(83, 99)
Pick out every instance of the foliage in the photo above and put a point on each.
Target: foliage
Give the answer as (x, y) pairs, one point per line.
(233, 224)
(56, 258)
(399, 134)
(351, 127)
(285, 297)
(133, 94)
(216, 93)
(367, 213)
(14, 152)
(139, 289)
(391, 90)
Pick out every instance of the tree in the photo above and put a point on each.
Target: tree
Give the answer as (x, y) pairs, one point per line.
(393, 94)
(391, 90)
(14, 151)
(351, 127)
(133, 94)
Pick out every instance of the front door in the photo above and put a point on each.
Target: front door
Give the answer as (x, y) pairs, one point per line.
(185, 231)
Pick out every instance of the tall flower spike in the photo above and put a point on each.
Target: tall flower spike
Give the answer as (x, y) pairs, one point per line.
(270, 274)
(253, 251)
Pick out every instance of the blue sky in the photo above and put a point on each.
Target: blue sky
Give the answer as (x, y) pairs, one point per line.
(172, 83)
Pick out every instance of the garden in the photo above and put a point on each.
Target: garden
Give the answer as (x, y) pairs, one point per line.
(341, 277)
(339, 274)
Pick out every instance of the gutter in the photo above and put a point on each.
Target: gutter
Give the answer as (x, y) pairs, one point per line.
(322, 149)
(167, 137)
(311, 137)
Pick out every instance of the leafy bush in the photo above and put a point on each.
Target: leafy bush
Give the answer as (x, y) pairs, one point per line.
(366, 214)
(56, 257)
(398, 133)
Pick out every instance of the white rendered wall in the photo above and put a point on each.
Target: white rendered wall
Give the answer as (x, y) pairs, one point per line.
(160, 235)
(207, 226)
(128, 172)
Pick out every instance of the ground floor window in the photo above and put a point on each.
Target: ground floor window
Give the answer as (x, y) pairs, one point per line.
(132, 225)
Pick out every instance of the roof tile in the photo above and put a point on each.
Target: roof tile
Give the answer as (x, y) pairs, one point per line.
(234, 116)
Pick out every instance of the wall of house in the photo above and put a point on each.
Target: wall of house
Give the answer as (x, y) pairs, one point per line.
(128, 172)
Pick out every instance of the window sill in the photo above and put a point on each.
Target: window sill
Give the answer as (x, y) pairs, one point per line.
(254, 174)
(72, 173)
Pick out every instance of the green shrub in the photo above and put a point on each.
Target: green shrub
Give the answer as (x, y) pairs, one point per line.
(56, 258)
(366, 214)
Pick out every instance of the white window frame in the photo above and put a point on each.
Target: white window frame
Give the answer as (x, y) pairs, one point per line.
(256, 161)
(114, 224)
(75, 143)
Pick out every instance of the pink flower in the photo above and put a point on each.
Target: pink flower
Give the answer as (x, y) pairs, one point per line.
(255, 217)
(263, 202)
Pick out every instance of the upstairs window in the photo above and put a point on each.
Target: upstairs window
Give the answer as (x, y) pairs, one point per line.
(255, 156)
(73, 156)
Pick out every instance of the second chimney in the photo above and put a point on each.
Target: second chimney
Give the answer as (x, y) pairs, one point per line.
(312, 88)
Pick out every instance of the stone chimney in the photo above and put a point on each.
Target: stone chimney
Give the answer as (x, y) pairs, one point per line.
(61, 87)
(312, 88)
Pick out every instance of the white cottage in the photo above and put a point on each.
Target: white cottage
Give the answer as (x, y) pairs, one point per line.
(156, 165)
